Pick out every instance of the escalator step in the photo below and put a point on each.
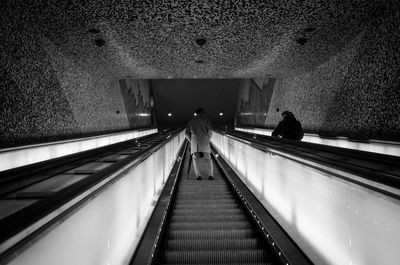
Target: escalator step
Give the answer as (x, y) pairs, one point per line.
(209, 256)
(232, 263)
(211, 218)
(204, 196)
(220, 244)
(201, 234)
(213, 206)
(209, 226)
(207, 211)
(205, 201)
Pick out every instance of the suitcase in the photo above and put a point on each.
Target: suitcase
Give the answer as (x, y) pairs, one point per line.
(202, 164)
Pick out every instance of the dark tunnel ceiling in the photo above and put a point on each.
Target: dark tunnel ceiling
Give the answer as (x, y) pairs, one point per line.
(157, 39)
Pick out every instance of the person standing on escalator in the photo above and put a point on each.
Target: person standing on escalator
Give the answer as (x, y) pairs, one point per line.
(289, 127)
(198, 132)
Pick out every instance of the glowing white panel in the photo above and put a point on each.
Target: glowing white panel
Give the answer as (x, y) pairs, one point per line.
(108, 227)
(30, 154)
(376, 146)
(334, 221)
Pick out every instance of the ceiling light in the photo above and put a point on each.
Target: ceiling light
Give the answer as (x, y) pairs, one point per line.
(169, 114)
(94, 31)
(100, 42)
(302, 41)
(201, 41)
(309, 29)
(221, 114)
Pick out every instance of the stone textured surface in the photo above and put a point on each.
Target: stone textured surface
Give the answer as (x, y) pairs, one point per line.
(356, 93)
(157, 39)
(46, 95)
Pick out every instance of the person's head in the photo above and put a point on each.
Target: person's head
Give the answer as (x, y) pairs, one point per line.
(287, 115)
(200, 111)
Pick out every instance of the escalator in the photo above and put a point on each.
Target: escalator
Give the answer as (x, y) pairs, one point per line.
(208, 225)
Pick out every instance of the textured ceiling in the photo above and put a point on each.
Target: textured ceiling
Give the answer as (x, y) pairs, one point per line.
(157, 39)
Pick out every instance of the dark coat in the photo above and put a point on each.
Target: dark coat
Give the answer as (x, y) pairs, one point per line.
(198, 132)
(289, 128)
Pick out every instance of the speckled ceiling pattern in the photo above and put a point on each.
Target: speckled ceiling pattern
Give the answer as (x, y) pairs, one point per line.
(356, 93)
(157, 39)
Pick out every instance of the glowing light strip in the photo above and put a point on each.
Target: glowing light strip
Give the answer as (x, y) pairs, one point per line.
(129, 196)
(375, 146)
(334, 221)
(30, 154)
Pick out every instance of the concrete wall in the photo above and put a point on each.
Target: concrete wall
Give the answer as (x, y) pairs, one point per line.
(253, 101)
(356, 93)
(45, 95)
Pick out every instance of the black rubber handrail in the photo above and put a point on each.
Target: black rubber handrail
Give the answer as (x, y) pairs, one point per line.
(365, 155)
(18, 221)
(286, 250)
(323, 155)
(21, 172)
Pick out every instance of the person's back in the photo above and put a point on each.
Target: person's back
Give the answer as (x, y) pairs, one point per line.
(198, 132)
(289, 127)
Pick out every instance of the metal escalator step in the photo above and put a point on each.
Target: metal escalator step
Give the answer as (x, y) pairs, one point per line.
(209, 218)
(207, 211)
(208, 192)
(203, 234)
(212, 206)
(204, 196)
(209, 256)
(215, 244)
(205, 201)
(232, 263)
(209, 226)
(204, 187)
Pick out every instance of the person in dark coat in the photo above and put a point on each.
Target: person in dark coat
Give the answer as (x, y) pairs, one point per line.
(198, 132)
(289, 127)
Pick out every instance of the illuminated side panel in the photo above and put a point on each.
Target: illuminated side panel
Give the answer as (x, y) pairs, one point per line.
(26, 155)
(376, 146)
(106, 228)
(334, 221)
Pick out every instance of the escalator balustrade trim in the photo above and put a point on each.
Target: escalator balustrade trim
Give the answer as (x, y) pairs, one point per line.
(212, 222)
(285, 248)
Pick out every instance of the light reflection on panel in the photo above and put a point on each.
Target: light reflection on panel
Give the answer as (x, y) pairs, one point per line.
(108, 227)
(382, 147)
(333, 221)
(26, 155)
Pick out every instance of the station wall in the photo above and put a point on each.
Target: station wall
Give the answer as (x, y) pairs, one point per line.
(356, 93)
(46, 95)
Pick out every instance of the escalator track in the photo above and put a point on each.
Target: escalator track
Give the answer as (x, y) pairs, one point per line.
(208, 225)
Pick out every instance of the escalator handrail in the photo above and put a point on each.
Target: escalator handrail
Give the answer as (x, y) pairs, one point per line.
(286, 249)
(375, 180)
(147, 250)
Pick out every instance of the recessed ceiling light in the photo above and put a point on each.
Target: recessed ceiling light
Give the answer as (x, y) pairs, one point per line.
(94, 31)
(201, 41)
(309, 29)
(302, 41)
(100, 42)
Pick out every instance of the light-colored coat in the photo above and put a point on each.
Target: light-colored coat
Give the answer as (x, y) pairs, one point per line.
(198, 132)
